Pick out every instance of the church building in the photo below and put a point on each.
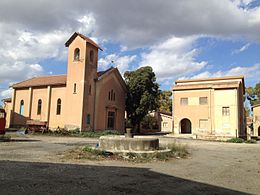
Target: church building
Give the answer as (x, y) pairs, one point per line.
(83, 98)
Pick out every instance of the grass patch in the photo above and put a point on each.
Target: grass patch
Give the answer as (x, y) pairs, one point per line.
(90, 153)
(240, 140)
(235, 140)
(98, 133)
(5, 138)
(77, 133)
(250, 141)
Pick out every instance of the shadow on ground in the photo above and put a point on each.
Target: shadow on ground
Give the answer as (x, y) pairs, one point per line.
(20, 140)
(49, 178)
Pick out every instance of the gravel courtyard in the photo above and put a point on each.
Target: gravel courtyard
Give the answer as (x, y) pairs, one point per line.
(35, 165)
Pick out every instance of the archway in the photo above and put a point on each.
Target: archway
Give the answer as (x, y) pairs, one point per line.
(185, 126)
(259, 131)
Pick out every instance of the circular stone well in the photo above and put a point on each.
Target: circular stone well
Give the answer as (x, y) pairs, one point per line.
(122, 144)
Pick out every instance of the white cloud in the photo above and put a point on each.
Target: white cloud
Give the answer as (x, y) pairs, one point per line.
(19, 71)
(251, 73)
(241, 49)
(5, 94)
(173, 58)
(121, 62)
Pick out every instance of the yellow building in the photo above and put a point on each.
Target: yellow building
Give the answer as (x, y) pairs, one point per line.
(84, 98)
(256, 120)
(209, 108)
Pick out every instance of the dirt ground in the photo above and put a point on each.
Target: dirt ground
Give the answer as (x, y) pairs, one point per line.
(35, 165)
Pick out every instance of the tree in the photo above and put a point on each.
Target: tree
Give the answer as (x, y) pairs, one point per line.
(165, 101)
(250, 91)
(257, 90)
(253, 94)
(142, 95)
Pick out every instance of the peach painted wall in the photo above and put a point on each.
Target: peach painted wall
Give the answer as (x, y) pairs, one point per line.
(55, 120)
(75, 75)
(39, 93)
(193, 111)
(103, 104)
(17, 118)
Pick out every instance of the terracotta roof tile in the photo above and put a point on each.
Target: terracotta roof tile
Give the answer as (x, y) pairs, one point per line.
(221, 85)
(42, 81)
(49, 80)
(88, 40)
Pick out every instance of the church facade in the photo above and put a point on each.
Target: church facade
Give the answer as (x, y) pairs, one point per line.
(83, 98)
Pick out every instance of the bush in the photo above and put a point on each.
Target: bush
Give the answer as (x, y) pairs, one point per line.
(98, 133)
(235, 140)
(149, 122)
(251, 141)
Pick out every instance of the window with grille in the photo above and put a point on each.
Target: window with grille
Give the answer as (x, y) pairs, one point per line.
(184, 101)
(225, 111)
(203, 100)
(203, 124)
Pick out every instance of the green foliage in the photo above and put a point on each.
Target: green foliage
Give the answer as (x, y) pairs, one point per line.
(257, 90)
(98, 133)
(235, 140)
(94, 151)
(252, 92)
(77, 133)
(255, 102)
(149, 122)
(165, 101)
(251, 141)
(142, 96)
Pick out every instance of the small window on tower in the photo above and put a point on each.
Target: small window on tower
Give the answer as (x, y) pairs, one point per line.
(75, 88)
(76, 54)
(91, 56)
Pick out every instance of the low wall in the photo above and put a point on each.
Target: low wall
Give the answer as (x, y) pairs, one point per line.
(120, 143)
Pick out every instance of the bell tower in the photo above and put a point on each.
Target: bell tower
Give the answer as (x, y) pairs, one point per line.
(81, 76)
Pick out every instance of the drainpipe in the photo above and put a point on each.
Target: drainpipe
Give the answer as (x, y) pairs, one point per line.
(94, 112)
(48, 105)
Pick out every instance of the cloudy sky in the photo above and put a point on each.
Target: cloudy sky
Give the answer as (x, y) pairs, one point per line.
(178, 38)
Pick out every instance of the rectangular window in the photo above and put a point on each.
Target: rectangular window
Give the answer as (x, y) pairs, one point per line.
(88, 119)
(111, 120)
(203, 124)
(165, 124)
(203, 100)
(184, 101)
(257, 118)
(2, 115)
(225, 111)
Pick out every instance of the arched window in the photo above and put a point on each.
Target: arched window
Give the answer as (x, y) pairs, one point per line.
(89, 90)
(91, 56)
(111, 95)
(58, 111)
(39, 107)
(88, 119)
(75, 88)
(76, 54)
(21, 107)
